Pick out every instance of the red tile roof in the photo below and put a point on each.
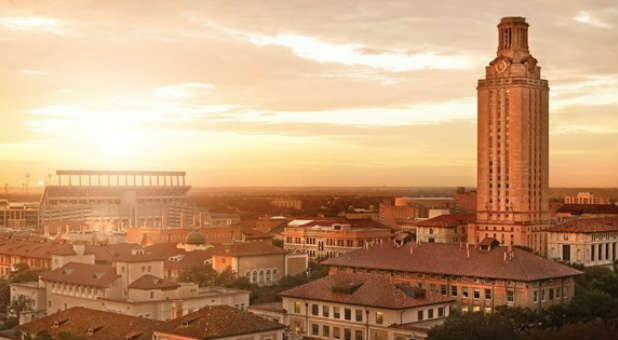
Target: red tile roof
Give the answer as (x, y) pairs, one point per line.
(215, 322)
(365, 290)
(240, 249)
(452, 259)
(90, 324)
(580, 209)
(588, 225)
(35, 249)
(447, 221)
(95, 275)
(148, 281)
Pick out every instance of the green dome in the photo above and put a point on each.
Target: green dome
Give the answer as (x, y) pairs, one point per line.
(195, 237)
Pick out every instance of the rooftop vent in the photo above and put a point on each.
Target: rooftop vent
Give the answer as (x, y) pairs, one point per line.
(413, 292)
(488, 243)
(346, 288)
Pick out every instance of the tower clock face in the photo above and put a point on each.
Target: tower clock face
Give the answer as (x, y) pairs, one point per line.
(501, 66)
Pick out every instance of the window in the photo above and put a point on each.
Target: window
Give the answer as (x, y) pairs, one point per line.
(347, 314)
(476, 308)
(315, 330)
(325, 311)
(592, 252)
(336, 333)
(359, 315)
(535, 296)
(551, 293)
(487, 294)
(542, 294)
(440, 312)
(315, 309)
(297, 307)
(336, 313)
(347, 334)
(464, 292)
(607, 251)
(558, 291)
(325, 331)
(430, 313)
(477, 293)
(152, 295)
(510, 297)
(443, 290)
(420, 315)
(379, 318)
(453, 290)
(358, 334)
(487, 309)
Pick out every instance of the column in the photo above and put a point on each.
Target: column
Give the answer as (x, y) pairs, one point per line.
(89, 180)
(183, 181)
(59, 180)
(79, 180)
(70, 179)
(157, 180)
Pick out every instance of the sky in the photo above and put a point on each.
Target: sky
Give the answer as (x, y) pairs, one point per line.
(292, 93)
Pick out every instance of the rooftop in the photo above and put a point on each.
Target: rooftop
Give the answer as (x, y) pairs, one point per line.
(365, 290)
(239, 249)
(146, 282)
(94, 275)
(588, 225)
(455, 259)
(580, 209)
(90, 324)
(213, 322)
(447, 221)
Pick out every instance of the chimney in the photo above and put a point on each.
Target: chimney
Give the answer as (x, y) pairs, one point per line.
(467, 251)
(79, 249)
(504, 257)
(411, 249)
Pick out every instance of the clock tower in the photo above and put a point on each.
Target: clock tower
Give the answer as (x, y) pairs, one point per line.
(512, 141)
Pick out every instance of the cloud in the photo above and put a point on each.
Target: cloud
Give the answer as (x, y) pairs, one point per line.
(356, 54)
(184, 90)
(32, 72)
(34, 24)
(583, 17)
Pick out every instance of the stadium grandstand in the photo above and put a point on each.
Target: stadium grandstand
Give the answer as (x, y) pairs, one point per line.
(120, 198)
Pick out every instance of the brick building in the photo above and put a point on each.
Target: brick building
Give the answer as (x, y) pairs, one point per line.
(479, 278)
(444, 228)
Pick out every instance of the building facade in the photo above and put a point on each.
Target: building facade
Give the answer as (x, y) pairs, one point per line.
(585, 198)
(513, 143)
(444, 228)
(587, 241)
(362, 306)
(324, 238)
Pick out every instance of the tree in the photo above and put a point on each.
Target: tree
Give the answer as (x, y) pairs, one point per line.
(474, 325)
(596, 329)
(22, 273)
(202, 274)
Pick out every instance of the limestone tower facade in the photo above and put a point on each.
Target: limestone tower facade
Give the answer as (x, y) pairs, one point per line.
(512, 141)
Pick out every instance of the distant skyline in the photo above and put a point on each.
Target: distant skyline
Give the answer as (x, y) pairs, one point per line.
(290, 93)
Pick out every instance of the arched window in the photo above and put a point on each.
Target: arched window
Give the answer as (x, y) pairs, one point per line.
(261, 279)
(254, 277)
(268, 277)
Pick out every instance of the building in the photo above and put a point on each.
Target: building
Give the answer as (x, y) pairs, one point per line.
(133, 284)
(216, 322)
(479, 278)
(444, 228)
(287, 203)
(513, 148)
(587, 210)
(586, 241)
(155, 235)
(585, 198)
(363, 306)
(330, 237)
(19, 215)
(220, 322)
(36, 254)
(406, 209)
(465, 201)
(260, 262)
(124, 198)
(91, 324)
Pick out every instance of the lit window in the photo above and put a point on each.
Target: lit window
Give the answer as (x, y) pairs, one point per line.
(379, 318)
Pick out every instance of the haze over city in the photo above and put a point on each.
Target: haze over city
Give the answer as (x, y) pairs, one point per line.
(356, 93)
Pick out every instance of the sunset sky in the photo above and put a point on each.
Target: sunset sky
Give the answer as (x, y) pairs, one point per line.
(277, 93)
